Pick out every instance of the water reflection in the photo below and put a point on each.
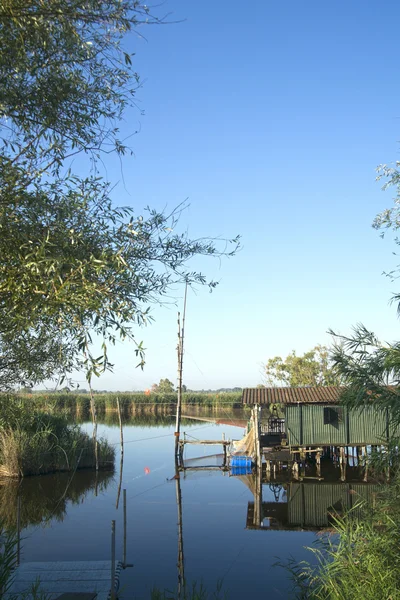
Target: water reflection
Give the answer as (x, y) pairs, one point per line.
(304, 505)
(163, 416)
(46, 497)
(200, 511)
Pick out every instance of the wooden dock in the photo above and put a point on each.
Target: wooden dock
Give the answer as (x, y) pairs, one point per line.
(224, 443)
(66, 580)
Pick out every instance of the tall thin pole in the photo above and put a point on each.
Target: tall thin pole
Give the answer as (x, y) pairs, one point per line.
(181, 336)
(121, 464)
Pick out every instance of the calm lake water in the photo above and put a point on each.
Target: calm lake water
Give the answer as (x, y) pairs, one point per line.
(64, 519)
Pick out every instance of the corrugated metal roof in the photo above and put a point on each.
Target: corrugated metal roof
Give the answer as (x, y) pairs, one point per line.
(291, 395)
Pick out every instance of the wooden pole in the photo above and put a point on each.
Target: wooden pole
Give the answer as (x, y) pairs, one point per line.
(343, 462)
(257, 435)
(257, 518)
(112, 593)
(179, 400)
(181, 337)
(121, 462)
(366, 461)
(318, 463)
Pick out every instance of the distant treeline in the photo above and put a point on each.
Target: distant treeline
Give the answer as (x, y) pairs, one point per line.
(130, 402)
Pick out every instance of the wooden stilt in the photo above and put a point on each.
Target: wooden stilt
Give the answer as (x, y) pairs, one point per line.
(318, 463)
(366, 463)
(359, 455)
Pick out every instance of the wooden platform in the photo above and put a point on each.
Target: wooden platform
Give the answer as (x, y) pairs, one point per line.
(83, 578)
(206, 442)
(277, 455)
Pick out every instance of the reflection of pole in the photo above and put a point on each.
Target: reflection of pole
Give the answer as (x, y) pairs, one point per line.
(18, 529)
(112, 594)
(181, 335)
(124, 553)
(121, 463)
(181, 560)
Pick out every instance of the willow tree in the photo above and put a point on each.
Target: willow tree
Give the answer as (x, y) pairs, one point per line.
(72, 264)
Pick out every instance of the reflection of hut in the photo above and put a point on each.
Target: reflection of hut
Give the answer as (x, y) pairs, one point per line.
(311, 505)
(47, 496)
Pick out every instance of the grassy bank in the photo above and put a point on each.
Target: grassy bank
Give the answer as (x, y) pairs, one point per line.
(34, 442)
(130, 402)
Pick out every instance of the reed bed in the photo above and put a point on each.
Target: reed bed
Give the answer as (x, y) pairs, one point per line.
(33, 442)
(128, 401)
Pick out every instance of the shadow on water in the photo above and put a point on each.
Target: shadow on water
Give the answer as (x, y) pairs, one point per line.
(46, 497)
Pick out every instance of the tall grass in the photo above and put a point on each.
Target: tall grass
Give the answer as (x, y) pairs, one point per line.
(128, 401)
(33, 442)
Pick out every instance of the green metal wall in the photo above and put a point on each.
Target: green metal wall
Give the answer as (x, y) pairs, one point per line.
(309, 504)
(360, 426)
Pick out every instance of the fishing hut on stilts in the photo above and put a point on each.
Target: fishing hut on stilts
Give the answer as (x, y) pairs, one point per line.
(296, 426)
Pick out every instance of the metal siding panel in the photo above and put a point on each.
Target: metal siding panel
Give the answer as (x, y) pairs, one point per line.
(367, 425)
(394, 429)
(292, 418)
(318, 434)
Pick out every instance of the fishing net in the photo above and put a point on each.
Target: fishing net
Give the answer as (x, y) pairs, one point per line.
(245, 446)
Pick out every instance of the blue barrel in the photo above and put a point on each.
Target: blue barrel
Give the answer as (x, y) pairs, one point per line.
(241, 461)
(241, 470)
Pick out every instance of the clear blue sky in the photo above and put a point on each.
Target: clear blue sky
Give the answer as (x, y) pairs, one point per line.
(271, 118)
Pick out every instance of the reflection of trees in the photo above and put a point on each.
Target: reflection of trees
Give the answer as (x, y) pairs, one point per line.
(46, 497)
(139, 419)
(142, 418)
